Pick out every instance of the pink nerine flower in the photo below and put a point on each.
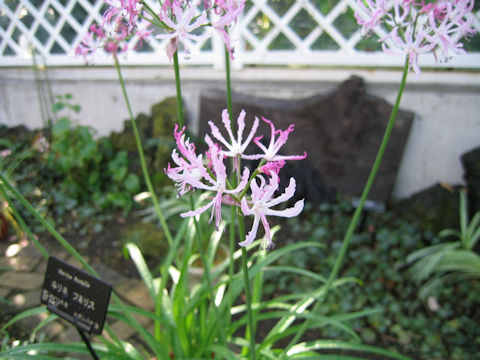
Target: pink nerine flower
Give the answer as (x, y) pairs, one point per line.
(183, 28)
(189, 169)
(409, 45)
(374, 12)
(112, 36)
(128, 9)
(227, 13)
(271, 152)
(236, 147)
(217, 184)
(260, 206)
(274, 166)
(415, 27)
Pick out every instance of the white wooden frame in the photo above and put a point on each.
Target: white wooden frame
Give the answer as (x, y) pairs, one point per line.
(15, 37)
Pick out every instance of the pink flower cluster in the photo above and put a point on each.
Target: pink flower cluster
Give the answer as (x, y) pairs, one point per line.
(119, 26)
(184, 17)
(208, 172)
(181, 21)
(418, 27)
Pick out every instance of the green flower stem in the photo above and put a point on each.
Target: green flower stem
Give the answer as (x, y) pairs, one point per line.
(141, 154)
(206, 269)
(233, 212)
(250, 331)
(41, 96)
(153, 345)
(229, 87)
(178, 86)
(201, 250)
(251, 328)
(358, 210)
(148, 182)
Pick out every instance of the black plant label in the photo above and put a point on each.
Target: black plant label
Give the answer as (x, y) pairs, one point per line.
(75, 295)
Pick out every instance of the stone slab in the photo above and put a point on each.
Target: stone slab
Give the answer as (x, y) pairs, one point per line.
(21, 280)
(20, 263)
(4, 292)
(108, 275)
(135, 292)
(26, 299)
(341, 133)
(124, 331)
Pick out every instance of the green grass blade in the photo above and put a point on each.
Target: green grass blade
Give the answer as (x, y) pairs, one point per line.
(475, 232)
(463, 214)
(424, 252)
(142, 268)
(297, 270)
(44, 322)
(342, 346)
(222, 351)
(24, 314)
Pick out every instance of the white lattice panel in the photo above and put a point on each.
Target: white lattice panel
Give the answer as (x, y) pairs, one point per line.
(271, 32)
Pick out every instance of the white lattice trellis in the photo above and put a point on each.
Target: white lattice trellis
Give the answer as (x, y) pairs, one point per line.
(271, 32)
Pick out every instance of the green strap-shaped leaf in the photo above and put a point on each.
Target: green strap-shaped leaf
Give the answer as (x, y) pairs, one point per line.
(142, 268)
(340, 345)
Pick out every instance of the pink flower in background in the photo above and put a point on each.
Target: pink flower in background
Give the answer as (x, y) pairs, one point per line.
(127, 9)
(181, 21)
(182, 28)
(88, 45)
(4, 153)
(415, 28)
(446, 24)
(227, 12)
(113, 37)
(271, 152)
(142, 31)
(260, 205)
(409, 45)
(374, 12)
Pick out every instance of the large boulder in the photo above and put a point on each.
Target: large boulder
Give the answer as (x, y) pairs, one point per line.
(340, 131)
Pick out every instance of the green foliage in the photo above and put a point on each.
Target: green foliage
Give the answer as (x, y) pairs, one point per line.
(91, 176)
(377, 256)
(77, 181)
(12, 155)
(449, 261)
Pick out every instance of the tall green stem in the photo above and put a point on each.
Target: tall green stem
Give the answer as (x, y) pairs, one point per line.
(206, 269)
(248, 295)
(141, 154)
(229, 87)
(358, 211)
(166, 230)
(178, 86)
(233, 212)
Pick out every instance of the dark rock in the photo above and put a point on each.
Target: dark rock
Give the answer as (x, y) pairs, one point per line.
(435, 208)
(17, 135)
(156, 133)
(148, 237)
(471, 165)
(341, 133)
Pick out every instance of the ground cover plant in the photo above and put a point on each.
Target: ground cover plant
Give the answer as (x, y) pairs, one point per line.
(440, 323)
(222, 200)
(65, 170)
